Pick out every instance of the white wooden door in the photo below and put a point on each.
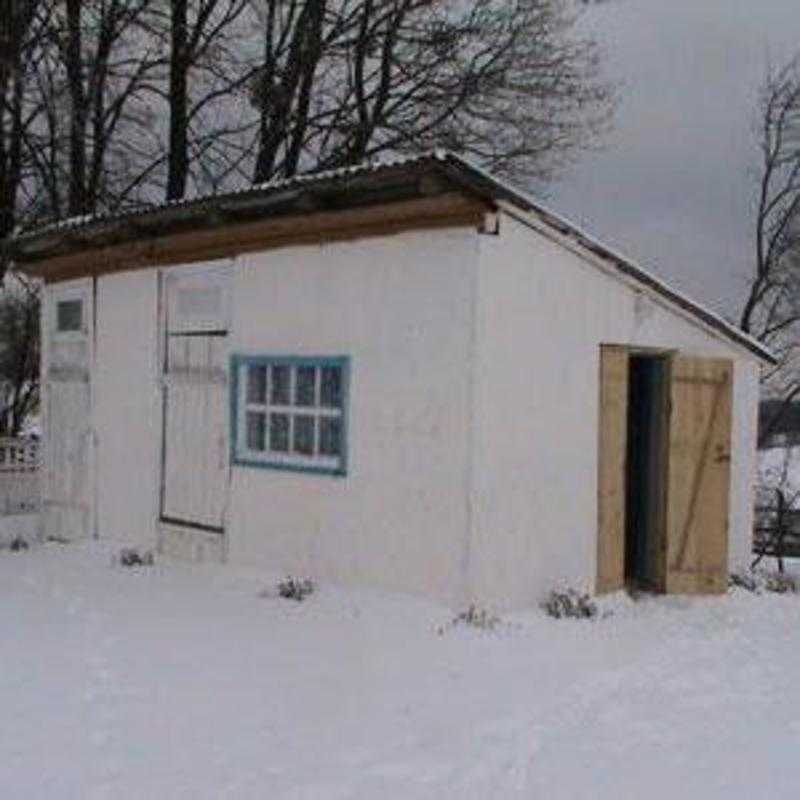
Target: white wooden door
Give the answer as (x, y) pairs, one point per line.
(195, 457)
(67, 500)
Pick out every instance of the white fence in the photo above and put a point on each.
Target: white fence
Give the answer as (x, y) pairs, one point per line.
(19, 476)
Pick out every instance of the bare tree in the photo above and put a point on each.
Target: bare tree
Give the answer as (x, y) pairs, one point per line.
(123, 100)
(106, 103)
(772, 309)
(19, 354)
(202, 70)
(507, 82)
(22, 23)
(292, 49)
(99, 47)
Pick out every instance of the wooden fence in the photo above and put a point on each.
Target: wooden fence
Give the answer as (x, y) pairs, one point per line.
(20, 489)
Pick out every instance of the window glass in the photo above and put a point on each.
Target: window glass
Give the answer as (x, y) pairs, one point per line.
(330, 436)
(69, 316)
(290, 413)
(331, 387)
(280, 385)
(256, 430)
(303, 435)
(279, 433)
(257, 384)
(304, 386)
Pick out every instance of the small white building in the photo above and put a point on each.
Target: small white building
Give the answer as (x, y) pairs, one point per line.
(406, 375)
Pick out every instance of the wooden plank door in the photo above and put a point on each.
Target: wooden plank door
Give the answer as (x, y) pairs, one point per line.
(67, 489)
(613, 421)
(698, 489)
(195, 455)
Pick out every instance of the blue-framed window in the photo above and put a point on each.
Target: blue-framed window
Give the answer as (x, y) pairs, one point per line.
(290, 412)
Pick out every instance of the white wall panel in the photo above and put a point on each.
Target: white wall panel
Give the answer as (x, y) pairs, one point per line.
(127, 406)
(472, 445)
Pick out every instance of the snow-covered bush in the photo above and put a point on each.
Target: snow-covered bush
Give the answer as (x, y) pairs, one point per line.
(743, 580)
(477, 618)
(474, 617)
(780, 583)
(762, 580)
(571, 603)
(295, 588)
(131, 557)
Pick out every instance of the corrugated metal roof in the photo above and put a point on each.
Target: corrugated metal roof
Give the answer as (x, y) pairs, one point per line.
(468, 176)
(267, 188)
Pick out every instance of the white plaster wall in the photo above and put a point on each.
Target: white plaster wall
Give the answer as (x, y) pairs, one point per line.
(542, 314)
(68, 466)
(127, 407)
(472, 420)
(744, 463)
(19, 526)
(400, 307)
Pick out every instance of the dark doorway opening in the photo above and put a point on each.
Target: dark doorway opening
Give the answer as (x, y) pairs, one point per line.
(645, 537)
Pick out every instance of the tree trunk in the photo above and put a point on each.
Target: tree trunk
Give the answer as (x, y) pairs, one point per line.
(77, 200)
(14, 24)
(178, 168)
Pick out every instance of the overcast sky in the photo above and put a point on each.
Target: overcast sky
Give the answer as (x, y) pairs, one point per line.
(673, 186)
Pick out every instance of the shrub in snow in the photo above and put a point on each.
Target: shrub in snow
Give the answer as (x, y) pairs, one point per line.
(743, 580)
(131, 557)
(477, 618)
(759, 581)
(780, 583)
(17, 545)
(562, 603)
(295, 588)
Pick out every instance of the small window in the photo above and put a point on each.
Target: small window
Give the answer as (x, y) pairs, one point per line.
(290, 413)
(69, 316)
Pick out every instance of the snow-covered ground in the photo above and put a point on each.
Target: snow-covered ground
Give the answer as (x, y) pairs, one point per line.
(180, 681)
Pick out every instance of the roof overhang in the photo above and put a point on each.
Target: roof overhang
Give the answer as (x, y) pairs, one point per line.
(431, 190)
(304, 198)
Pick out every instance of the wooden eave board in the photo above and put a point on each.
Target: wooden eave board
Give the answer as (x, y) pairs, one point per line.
(230, 239)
